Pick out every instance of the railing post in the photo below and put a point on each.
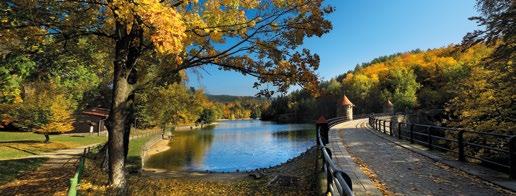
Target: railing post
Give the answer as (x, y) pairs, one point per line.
(322, 127)
(460, 142)
(399, 130)
(429, 130)
(390, 127)
(512, 155)
(412, 133)
(384, 130)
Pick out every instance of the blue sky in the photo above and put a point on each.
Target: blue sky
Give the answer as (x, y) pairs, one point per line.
(362, 31)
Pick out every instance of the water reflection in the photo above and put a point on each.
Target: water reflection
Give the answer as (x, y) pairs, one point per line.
(232, 145)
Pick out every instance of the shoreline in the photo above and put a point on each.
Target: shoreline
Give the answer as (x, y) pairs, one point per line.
(289, 163)
(158, 146)
(194, 127)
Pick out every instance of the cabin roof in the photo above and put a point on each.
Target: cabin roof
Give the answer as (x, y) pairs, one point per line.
(97, 112)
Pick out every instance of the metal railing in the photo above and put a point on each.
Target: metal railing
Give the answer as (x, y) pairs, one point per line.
(337, 181)
(464, 143)
(76, 179)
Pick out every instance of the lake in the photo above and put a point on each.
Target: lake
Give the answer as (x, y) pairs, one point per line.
(234, 145)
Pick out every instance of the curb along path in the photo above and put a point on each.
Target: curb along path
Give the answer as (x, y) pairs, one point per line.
(402, 171)
(362, 185)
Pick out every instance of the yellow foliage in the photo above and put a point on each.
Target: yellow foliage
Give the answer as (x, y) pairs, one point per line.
(166, 27)
(61, 116)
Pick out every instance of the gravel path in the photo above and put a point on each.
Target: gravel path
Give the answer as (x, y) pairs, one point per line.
(404, 172)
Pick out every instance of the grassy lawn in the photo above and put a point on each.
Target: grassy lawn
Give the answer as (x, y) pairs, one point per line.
(15, 145)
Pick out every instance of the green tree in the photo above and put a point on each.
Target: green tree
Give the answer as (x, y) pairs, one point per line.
(179, 104)
(207, 116)
(400, 86)
(13, 71)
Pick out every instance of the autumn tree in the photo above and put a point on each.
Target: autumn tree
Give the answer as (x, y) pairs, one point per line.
(45, 111)
(485, 98)
(258, 38)
(498, 18)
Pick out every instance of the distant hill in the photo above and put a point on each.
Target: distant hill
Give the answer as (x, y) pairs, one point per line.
(231, 98)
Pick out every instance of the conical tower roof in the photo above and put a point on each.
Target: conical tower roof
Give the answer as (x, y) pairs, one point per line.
(346, 102)
(388, 103)
(321, 120)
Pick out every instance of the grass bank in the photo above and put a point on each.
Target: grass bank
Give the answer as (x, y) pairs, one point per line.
(134, 159)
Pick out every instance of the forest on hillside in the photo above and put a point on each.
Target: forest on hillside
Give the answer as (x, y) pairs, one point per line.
(448, 86)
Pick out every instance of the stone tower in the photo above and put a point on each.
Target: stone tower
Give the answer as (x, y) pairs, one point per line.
(345, 108)
(388, 107)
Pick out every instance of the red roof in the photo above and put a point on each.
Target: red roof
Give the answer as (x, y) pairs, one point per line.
(98, 112)
(321, 120)
(346, 102)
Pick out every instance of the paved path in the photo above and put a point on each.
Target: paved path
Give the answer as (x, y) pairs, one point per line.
(403, 172)
(51, 178)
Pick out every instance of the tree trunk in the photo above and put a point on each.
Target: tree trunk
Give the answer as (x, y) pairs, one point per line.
(122, 108)
(47, 138)
(117, 118)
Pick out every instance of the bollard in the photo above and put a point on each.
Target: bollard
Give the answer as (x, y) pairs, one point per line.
(460, 142)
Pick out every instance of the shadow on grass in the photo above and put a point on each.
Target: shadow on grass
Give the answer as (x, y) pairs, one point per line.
(21, 142)
(13, 168)
(29, 152)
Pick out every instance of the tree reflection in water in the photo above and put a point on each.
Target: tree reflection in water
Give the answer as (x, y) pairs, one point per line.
(234, 145)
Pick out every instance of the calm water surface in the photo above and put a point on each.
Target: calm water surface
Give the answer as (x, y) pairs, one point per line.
(232, 145)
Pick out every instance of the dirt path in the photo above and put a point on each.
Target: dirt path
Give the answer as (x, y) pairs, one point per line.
(407, 173)
(51, 178)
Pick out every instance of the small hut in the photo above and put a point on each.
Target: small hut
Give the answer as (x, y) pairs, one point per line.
(91, 120)
(345, 108)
